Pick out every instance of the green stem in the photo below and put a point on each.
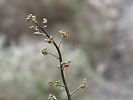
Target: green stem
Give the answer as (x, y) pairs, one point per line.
(53, 55)
(60, 41)
(75, 91)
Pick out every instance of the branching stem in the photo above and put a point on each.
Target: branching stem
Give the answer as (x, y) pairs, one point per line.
(60, 61)
(53, 55)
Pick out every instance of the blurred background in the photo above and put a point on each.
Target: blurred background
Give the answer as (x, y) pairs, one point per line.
(100, 47)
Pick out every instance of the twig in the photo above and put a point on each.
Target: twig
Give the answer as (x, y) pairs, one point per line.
(61, 85)
(53, 55)
(60, 41)
(75, 91)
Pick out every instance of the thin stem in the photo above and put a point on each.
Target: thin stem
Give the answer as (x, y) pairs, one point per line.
(45, 33)
(60, 41)
(53, 55)
(61, 85)
(62, 72)
(60, 60)
(75, 91)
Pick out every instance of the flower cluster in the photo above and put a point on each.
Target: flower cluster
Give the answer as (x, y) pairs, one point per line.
(52, 97)
(83, 85)
(44, 22)
(35, 30)
(64, 33)
(55, 83)
(31, 18)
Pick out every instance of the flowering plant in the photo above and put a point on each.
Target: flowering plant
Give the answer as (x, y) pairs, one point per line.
(40, 30)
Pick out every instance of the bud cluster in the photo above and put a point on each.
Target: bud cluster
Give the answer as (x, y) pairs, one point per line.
(44, 22)
(35, 30)
(64, 33)
(52, 97)
(55, 83)
(31, 18)
(83, 85)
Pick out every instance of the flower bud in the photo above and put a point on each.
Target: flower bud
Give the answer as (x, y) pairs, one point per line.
(45, 51)
(50, 83)
(29, 17)
(31, 27)
(44, 20)
(37, 33)
(83, 85)
(51, 37)
(49, 40)
(66, 65)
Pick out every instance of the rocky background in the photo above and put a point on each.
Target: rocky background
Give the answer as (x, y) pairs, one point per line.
(100, 47)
